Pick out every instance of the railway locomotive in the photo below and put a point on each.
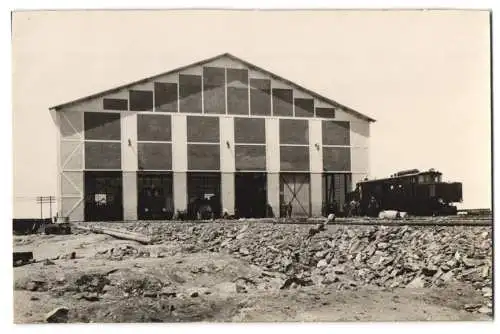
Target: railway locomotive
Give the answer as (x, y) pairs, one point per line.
(412, 191)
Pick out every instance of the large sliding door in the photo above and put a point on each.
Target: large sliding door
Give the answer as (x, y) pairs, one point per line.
(103, 196)
(295, 195)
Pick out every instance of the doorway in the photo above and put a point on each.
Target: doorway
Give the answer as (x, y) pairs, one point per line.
(250, 195)
(336, 186)
(155, 196)
(103, 196)
(204, 195)
(295, 195)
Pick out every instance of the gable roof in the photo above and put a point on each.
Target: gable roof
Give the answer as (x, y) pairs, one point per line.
(208, 60)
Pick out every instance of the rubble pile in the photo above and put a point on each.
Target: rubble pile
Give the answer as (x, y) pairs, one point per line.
(389, 256)
(347, 257)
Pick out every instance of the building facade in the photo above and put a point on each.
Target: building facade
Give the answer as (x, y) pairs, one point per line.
(223, 131)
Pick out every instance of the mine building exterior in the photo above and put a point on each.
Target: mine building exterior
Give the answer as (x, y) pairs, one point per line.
(220, 130)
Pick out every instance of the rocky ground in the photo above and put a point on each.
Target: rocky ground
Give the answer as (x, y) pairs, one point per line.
(249, 271)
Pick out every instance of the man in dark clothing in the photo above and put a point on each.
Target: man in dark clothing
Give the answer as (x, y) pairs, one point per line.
(373, 207)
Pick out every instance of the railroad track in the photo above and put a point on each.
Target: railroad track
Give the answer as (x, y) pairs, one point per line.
(413, 221)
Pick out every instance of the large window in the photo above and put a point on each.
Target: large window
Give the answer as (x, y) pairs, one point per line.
(250, 157)
(260, 97)
(282, 102)
(102, 140)
(249, 130)
(203, 143)
(336, 150)
(203, 157)
(294, 158)
(336, 133)
(166, 97)
(102, 126)
(190, 93)
(155, 156)
(294, 132)
(294, 145)
(304, 107)
(203, 129)
(154, 127)
(154, 146)
(141, 100)
(102, 155)
(337, 158)
(214, 90)
(250, 144)
(237, 92)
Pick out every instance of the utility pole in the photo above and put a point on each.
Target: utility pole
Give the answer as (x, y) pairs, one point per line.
(45, 199)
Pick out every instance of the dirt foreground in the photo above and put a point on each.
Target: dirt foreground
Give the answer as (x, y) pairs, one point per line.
(113, 280)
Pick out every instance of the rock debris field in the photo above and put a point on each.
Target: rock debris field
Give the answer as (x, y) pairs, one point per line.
(250, 271)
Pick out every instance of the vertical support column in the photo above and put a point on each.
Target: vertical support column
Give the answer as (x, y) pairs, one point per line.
(316, 165)
(57, 117)
(316, 194)
(129, 164)
(227, 162)
(273, 192)
(180, 191)
(273, 164)
(360, 150)
(129, 180)
(179, 161)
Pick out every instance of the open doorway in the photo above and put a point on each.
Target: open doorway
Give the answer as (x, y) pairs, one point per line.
(251, 195)
(155, 196)
(103, 196)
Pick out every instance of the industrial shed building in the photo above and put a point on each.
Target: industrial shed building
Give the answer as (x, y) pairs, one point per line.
(223, 131)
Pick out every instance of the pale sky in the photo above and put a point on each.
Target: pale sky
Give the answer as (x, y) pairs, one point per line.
(423, 75)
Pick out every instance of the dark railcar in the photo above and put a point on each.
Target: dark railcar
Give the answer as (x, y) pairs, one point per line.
(417, 193)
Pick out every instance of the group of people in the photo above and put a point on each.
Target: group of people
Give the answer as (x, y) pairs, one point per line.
(353, 208)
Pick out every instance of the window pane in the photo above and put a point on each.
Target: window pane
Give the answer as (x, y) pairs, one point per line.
(203, 157)
(294, 158)
(237, 101)
(153, 127)
(304, 107)
(325, 112)
(213, 76)
(250, 130)
(165, 97)
(260, 97)
(250, 157)
(102, 155)
(237, 77)
(102, 126)
(336, 133)
(294, 131)
(141, 100)
(282, 102)
(203, 129)
(154, 156)
(190, 93)
(115, 104)
(337, 158)
(214, 90)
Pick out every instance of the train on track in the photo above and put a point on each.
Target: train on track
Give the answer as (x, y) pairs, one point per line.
(412, 191)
